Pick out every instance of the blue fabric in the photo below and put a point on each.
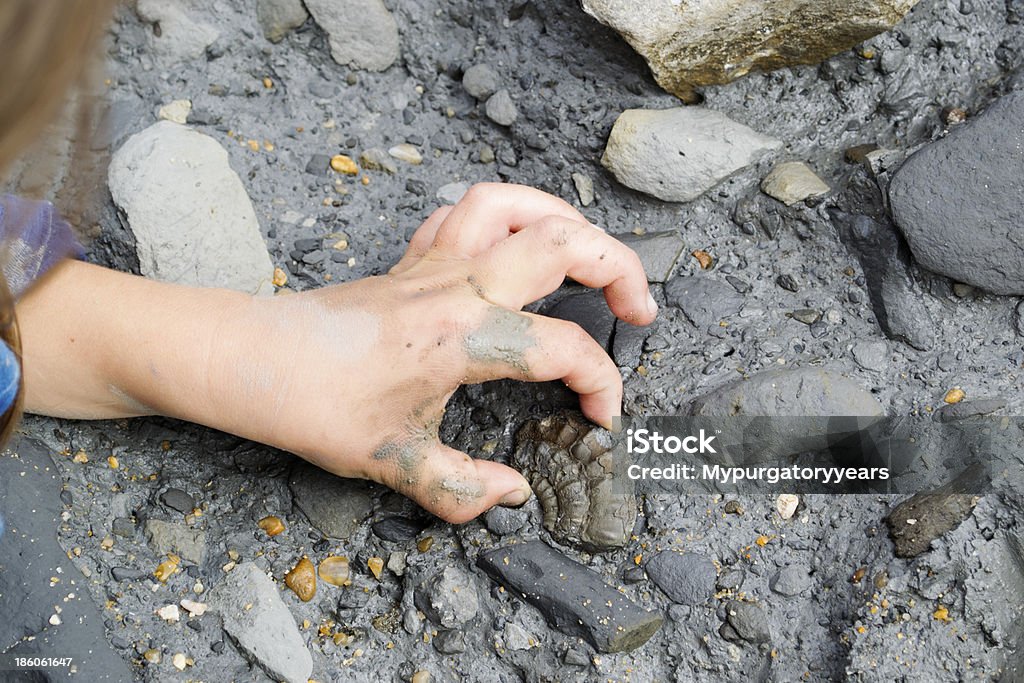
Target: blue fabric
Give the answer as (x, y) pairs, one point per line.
(10, 373)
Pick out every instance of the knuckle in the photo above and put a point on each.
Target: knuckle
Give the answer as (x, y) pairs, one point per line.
(478, 192)
(555, 231)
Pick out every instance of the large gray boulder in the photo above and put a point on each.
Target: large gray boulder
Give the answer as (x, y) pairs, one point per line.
(191, 217)
(702, 42)
(362, 33)
(960, 200)
(678, 154)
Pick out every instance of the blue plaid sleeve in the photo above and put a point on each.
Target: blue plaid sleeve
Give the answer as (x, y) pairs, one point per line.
(33, 237)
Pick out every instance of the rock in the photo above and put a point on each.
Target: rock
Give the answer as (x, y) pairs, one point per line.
(279, 17)
(481, 81)
(173, 537)
(871, 355)
(302, 579)
(515, 637)
(658, 252)
(572, 598)
(375, 159)
(958, 200)
(925, 516)
(407, 153)
(588, 309)
(1018, 319)
(790, 581)
(628, 343)
(257, 619)
(126, 574)
(452, 193)
(786, 505)
(584, 188)
(362, 33)
(123, 527)
(503, 521)
(176, 499)
(501, 109)
(450, 642)
(448, 598)
(730, 580)
(748, 621)
(793, 182)
(703, 300)
(678, 154)
(335, 571)
(176, 111)
(686, 578)
(397, 529)
(695, 44)
(334, 505)
(191, 217)
(182, 36)
(967, 409)
(807, 316)
(586, 496)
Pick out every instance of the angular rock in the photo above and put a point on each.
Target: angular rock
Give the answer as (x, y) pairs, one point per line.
(481, 81)
(703, 300)
(584, 188)
(588, 309)
(583, 489)
(362, 33)
(572, 598)
(397, 529)
(334, 505)
(279, 17)
(628, 342)
(678, 154)
(702, 43)
(686, 578)
(174, 537)
(793, 182)
(503, 521)
(958, 201)
(191, 217)
(790, 581)
(182, 35)
(501, 109)
(257, 619)
(925, 516)
(449, 598)
(658, 252)
(748, 621)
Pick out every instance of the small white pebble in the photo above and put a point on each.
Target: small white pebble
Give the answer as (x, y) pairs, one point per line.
(169, 613)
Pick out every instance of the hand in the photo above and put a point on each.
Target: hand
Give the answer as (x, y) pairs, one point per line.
(361, 372)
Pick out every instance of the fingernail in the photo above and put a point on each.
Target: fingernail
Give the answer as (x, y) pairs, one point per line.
(514, 499)
(598, 227)
(652, 305)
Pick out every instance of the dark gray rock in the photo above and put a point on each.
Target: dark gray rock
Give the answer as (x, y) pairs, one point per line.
(790, 581)
(658, 252)
(586, 496)
(572, 598)
(628, 342)
(397, 529)
(334, 505)
(871, 355)
(703, 300)
(176, 499)
(925, 516)
(450, 642)
(731, 580)
(958, 201)
(481, 81)
(126, 574)
(449, 598)
(123, 527)
(588, 309)
(796, 392)
(687, 578)
(967, 409)
(503, 521)
(748, 621)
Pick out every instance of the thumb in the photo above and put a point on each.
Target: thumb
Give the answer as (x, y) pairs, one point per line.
(457, 488)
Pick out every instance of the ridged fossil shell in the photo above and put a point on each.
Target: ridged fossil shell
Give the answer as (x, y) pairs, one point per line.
(587, 499)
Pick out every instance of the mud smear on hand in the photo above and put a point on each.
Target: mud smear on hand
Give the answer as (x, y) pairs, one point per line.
(461, 491)
(503, 337)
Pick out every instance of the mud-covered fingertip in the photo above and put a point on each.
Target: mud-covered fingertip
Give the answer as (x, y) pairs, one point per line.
(516, 497)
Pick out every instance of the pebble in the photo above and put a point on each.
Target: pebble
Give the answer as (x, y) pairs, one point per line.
(481, 81)
(686, 578)
(344, 164)
(334, 505)
(318, 163)
(584, 188)
(195, 609)
(954, 395)
(786, 505)
(501, 109)
(126, 573)
(678, 154)
(397, 529)
(503, 521)
(807, 316)
(335, 571)
(176, 499)
(376, 566)
(793, 182)
(748, 621)
(450, 642)
(448, 598)
(452, 193)
(658, 252)
(704, 300)
(407, 153)
(398, 562)
(258, 620)
(171, 175)
(362, 33)
(515, 637)
(374, 159)
(272, 525)
(302, 579)
(169, 613)
(179, 661)
(791, 580)
(176, 111)
(572, 598)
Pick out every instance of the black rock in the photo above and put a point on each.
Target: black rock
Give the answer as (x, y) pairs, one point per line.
(450, 642)
(924, 517)
(397, 529)
(739, 284)
(217, 647)
(703, 300)
(572, 598)
(748, 621)
(176, 499)
(588, 309)
(686, 578)
(126, 573)
(788, 282)
(503, 521)
(628, 342)
(576, 656)
(308, 244)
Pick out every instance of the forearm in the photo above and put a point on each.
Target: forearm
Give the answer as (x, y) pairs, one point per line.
(103, 344)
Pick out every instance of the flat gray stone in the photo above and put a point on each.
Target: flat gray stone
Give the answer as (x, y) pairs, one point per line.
(686, 578)
(871, 355)
(191, 217)
(257, 619)
(790, 581)
(703, 300)
(501, 109)
(362, 33)
(334, 505)
(793, 182)
(449, 598)
(679, 154)
(174, 537)
(658, 252)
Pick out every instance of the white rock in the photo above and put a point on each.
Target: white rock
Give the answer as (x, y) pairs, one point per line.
(786, 504)
(258, 620)
(407, 153)
(678, 154)
(180, 661)
(192, 219)
(176, 111)
(169, 613)
(793, 182)
(584, 188)
(182, 35)
(362, 33)
(195, 609)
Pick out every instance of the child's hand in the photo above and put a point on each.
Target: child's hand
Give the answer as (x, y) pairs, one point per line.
(355, 377)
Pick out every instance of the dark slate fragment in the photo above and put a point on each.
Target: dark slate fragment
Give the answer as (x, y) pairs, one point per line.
(658, 251)
(398, 529)
(686, 578)
(748, 621)
(966, 409)
(179, 500)
(588, 309)
(925, 516)
(703, 300)
(572, 598)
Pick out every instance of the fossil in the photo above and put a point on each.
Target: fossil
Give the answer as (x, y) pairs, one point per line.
(583, 489)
